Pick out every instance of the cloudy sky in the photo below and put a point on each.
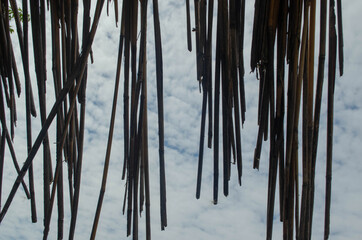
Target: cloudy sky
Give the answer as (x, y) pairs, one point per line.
(242, 215)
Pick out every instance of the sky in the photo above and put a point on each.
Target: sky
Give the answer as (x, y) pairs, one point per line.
(241, 215)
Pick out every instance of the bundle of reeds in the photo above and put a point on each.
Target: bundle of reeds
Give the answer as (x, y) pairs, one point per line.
(9, 82)
(288, 27)
(135, 169)
(229, 74)
(69, 66)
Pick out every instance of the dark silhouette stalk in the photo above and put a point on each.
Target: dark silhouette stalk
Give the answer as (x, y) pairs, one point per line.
(2, 151)
(318, 100)
(110, 136)
(331, 83)
(159, 76)
(217, 112)
(340, 37)
(188, 24)
(201, 146)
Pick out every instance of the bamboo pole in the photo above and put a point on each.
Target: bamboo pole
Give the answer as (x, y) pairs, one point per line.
(304, 79)
(332, 48)
(340, 37)
(216, 111)
(145, 141)
(82, 101)
(188, 25)
(110, 134)
(159, 75)
(2, 151)
(318, 100)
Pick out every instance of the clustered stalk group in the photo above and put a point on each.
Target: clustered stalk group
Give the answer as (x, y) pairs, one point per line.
(282, 53)
(69, 68)
(229, 79)
(287, 27)
(136, 165)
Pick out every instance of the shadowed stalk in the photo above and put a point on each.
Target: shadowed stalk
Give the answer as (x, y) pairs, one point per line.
(38, 29)
(188, 25)
(304, 76)
(126, 16)
(216, 113)
(82, 101)
(110, 137)
(145, 144)
(159, 76)
(340, 37)
(273, 160)
(280, 101)
(201, 146)
(2, 151)
(318, 101)
(241, 28)
(332, 48)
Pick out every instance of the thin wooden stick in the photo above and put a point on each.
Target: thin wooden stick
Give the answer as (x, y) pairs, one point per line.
(318, 99)
(15, 161)
(2, 151)
(331, 83)
(127, 30)
(82, 100)
(188, 24)
(201, 146)
(110, 138)
(217, 112)
(145, 140)
(159, 75)
(305, 162)
(38, 41)
(340, 37)
(273, 160)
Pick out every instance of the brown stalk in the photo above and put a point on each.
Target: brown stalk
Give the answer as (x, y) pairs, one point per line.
(301, 72)
(159, 76)
(144, 156)
(216, 111)
(273, 160)
(208, 67)
(131, 170)
(2, 151)
(318, 100)
(332, 49)
(82, 100)
(280, 101)
(305, 124)
(29, 102)
(58, 175)
(340, 37)
(110, 135)
(241, 59)
(188, 25)
(15, 162)
(127, 30)
(38, 42)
